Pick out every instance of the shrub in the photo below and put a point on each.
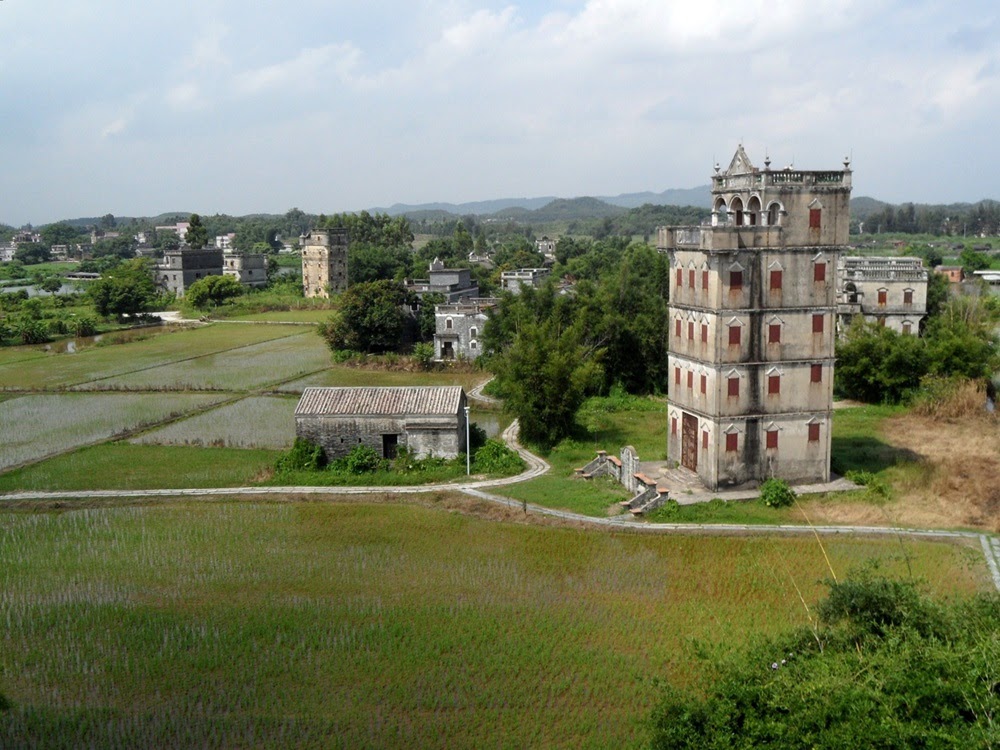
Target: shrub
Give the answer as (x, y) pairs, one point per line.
(85, 326)
(876, 488)
(304, 455)
(423, 352)
(775, 493)
(362, 460)
(951, 397)
(496, 458)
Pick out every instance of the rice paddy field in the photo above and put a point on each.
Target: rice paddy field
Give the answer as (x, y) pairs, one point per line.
(272, 418)
(377, 625)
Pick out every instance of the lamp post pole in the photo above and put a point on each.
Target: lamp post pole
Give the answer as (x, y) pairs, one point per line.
(468, 448)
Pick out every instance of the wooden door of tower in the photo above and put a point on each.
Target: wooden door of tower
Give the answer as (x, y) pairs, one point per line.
(689, 442)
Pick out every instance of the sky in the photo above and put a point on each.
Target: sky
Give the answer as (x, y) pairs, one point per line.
(219, 106)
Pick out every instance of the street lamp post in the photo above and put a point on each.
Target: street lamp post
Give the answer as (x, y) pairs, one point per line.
(468, 448)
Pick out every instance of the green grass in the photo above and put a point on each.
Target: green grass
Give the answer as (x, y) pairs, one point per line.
(254, 422)
(123, 466)
(62, 370)
(284, 316)
(642, 424)
(327, 625)
(857, 443)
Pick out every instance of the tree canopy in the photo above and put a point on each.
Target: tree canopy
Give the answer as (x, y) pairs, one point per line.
(196, 235)
(126, 289)
(370, 319)
(887, 667)
(213, 290)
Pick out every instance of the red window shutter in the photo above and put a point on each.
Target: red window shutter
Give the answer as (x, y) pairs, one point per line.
(776, 280)
(816, 374)
(819, 272)
(691, 278)
(677, 376)
(814, 218)
(704, 383)
(813, 432)
(704, 280)
(774, 333)
(690, 331)
(817, 323)
(734, 387)
(735, 281)
(677, 328)
(772, 439)
(704, 333)
(732, 441)
(680, 278)
(690, 379)
(774, 384)
(882, 297)
(704, 440)
(907, 296)
(673, 425)
(734, 335)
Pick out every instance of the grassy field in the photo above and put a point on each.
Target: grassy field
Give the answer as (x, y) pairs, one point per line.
(335, 625)
(285, 316)
(254, 422)
(344, 375)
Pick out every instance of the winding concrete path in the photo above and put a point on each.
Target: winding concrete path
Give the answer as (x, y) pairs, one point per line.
(536, 466)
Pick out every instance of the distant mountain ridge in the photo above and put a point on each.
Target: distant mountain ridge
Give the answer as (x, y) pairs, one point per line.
(698, 196)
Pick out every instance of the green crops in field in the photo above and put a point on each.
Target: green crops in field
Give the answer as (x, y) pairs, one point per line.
(254, 422)
(376, 626)
(237, 369)
(35, 426)
(339, 375)
(95, 363)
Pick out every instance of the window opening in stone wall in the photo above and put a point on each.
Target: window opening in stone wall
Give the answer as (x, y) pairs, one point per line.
(680, 278)
(817, 324)
(816, 373)
(673, 425)
(704, 333)
(734, 387)
(772, 440)
(732, 442)
(819, 272)
(447, 324)
(774, 333)
(907, 296)
(773, 385)
(690, 379)
(776, 280)
(677, 328)
(883, 295)
(704, 280)
(772, 214)
(677, 376)
(734, 335)
(906, 328)
(690, 330)
(814, 432)
(704, 384)
(815, 215)
(735, 281)
(691, 278)
(704, 440)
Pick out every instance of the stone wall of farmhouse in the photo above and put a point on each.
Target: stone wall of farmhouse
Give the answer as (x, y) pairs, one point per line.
(444, 438)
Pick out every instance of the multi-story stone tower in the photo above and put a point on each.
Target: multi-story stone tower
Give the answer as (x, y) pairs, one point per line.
(324, 262)
(753, 304)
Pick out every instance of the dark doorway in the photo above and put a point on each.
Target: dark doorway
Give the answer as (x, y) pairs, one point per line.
(389, 445)
(447, 350)
(689, 442)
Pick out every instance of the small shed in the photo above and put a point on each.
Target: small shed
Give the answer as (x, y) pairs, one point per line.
(426, 420)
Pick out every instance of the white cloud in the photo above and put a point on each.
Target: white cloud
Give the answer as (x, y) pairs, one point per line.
(305, 71)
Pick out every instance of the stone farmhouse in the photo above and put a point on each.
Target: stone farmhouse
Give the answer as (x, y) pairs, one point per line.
(458, 326)
(250, 269)
(180, 268)
(453, 283)
(426, 420)
(753, 304)
(324, 262)
(515, 281)
(889, 291)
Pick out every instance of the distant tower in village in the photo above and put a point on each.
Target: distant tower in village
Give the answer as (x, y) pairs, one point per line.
(324, 262)
(753, 304)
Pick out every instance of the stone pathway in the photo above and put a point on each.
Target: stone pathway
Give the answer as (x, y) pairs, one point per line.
(687, 488)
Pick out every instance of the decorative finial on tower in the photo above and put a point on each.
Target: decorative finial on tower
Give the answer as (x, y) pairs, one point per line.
(767, 160)
(847, 162)
(717, 167)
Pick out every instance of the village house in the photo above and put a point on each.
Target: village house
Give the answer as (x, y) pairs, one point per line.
(547, 248)
(250, 269)
(954, 274)
(991, 279)
(753, 304)
(458, 326)
(890, 291)
(515, 281)
(452, 283)
(426, 420)
(324, 262)
(180, 268)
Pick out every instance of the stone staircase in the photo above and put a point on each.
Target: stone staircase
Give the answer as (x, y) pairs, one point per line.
(649, 496)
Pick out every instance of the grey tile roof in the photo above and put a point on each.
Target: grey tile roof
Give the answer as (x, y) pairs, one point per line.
(387, 401)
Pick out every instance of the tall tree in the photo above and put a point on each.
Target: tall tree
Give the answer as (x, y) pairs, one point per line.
(197, 235)
(370, 319)
(127, 289)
